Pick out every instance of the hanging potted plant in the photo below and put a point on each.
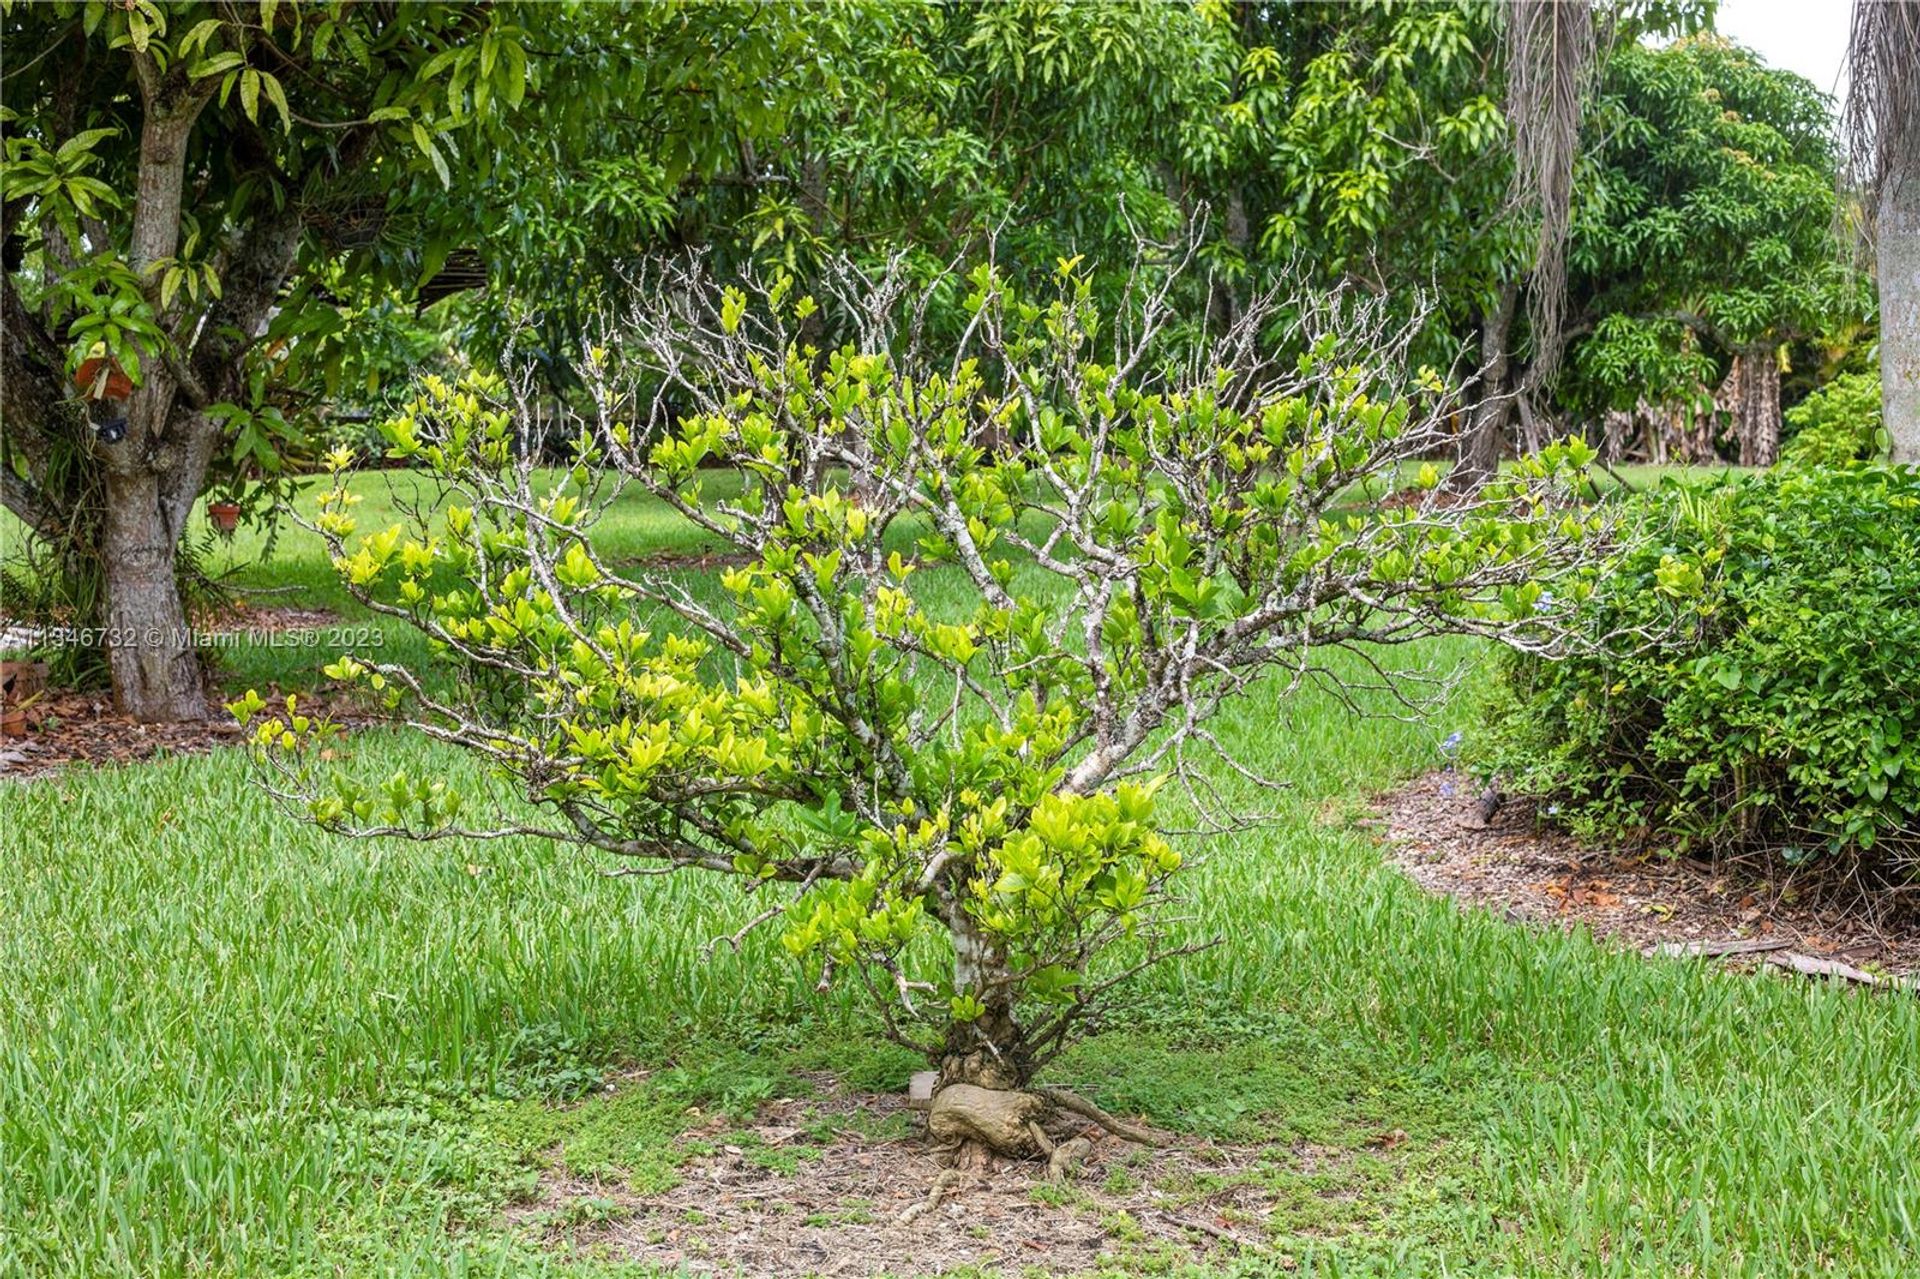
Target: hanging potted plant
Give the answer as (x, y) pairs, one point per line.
(100, 376)
(223, 513)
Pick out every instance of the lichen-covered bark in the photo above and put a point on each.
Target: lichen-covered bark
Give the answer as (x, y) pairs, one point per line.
(989, 1051)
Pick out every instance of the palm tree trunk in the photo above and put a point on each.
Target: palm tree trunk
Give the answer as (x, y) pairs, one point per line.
(1898, 269)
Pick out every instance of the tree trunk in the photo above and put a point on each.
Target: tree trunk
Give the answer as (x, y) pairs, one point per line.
(156, 668)
(1898, 269)
(989, 1051)
(1751, 397)
(1478, 455)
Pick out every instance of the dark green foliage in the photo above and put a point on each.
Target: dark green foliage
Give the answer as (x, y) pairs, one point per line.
(1837, 424)
(1780, 712)
(1704, 224)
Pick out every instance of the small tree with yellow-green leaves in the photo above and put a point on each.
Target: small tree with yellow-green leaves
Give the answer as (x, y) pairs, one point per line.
(986, 602)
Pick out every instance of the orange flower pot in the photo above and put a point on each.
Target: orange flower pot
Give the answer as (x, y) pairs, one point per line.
(101, 379)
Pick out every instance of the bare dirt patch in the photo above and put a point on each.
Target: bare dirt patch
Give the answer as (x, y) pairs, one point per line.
(817, 1186)
(1515, 865)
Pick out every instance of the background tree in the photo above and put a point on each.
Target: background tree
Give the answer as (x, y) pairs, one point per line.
(1379, 142)
(199, 194)
(1883, 136)
(944, 706)
(1701, 253)
(1368, 140)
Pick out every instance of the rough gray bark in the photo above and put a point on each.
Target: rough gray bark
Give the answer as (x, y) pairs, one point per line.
(1881, 130)
(991, 1051)
(156, 669)
(155, 666)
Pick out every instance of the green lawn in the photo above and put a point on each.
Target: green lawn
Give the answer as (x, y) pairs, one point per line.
(232, 1045)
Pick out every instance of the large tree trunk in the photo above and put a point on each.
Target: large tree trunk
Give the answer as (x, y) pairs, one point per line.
(1898, 262)
(156, 668)
(1478, 455)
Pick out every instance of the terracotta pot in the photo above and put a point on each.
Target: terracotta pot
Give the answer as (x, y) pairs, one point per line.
(20, 685)
(225, 516)
(116, 385)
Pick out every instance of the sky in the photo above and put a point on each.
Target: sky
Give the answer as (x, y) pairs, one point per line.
(1804, 36)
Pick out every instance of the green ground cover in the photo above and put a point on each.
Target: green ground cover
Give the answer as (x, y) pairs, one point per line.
(233, 1045)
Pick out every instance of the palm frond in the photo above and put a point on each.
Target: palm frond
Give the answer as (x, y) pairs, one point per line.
(1881, 125)
(1551, 58)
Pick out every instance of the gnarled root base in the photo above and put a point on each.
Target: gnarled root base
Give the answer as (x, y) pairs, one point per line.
(1002, 1120)
(975, 1123)
(972, 1125)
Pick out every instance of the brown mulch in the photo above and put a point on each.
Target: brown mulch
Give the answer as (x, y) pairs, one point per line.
(672, 559)
(1515, 865)
(69, 726)
(273, 619)
(835, 1209)
(66, 727)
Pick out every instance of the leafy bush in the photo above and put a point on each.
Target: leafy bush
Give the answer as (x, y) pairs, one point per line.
(1781, 712)
(1837, 424)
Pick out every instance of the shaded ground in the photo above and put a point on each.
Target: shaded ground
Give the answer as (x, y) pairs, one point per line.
(816, 1186)
(1514, 865)
(68, 726)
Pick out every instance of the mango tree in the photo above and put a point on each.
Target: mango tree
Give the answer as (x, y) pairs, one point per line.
(197, 193)
(1704, 246)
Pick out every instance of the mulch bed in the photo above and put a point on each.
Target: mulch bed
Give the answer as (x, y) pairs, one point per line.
(274, 619)
(1515, 865)
(678, 560)
(836, 1211)
(66, 727)
(69, 726)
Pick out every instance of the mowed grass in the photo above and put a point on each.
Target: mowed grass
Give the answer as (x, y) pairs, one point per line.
(232, 1045)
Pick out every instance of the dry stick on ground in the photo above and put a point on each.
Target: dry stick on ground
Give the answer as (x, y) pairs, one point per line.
(944, 1182)
(1796, 962)
(1208, 1228)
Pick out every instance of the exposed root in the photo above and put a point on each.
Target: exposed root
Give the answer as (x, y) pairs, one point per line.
(997, 1118)
(941, 1185)
(1064, 1162)
(1071, 1101)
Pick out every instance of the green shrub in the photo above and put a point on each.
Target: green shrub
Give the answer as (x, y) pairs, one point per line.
(1837, 424)
(1783, 712)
